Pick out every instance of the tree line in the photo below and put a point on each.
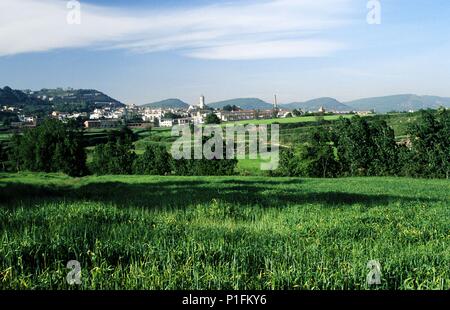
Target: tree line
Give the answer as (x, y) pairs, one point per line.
(55, 146)
(117, 156)
(368, 147)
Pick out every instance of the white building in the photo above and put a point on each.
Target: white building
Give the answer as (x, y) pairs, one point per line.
(184, 121)
(26, 119)
(231, 116)
(151, 114)
(199, 118)
(166, 123)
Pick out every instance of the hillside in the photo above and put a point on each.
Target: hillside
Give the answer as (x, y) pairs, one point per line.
(243, 103)
(16, 98)
(330, 104)
(64, 100)
(399, 103)
(167, 104)
(79, 100)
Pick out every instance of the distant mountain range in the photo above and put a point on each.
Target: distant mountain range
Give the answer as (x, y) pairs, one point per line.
(330, 104)
(399, 103)
(243, 103)
(168, 104)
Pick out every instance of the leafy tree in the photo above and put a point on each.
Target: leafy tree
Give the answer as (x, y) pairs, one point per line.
(430, 145)
(205, 166)
(230, 108)
(2, 157)
(318, 156)
(116, 156)
(365, 148)
(385, 160)
(170, 115)
(51, 147)
(155, 161)
(288, 165)
(7, 117)
(315, 158)
(296, 113)
(212, 119)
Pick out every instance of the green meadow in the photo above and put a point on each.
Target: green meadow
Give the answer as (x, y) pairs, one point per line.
(288, 120)
(144, 232)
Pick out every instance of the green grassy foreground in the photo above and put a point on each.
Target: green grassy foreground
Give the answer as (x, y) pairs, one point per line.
(136, 232)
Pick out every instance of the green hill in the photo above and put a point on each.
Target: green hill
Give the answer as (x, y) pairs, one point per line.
(168, 104)
(76, 100)
(16, 98)
(19, 99)
(64, 100)
(399, 103)
(330, 104)
(243, 103)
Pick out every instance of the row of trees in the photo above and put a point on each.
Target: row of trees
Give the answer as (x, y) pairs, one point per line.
(58, 147)
(52, 147)
(117, 156)
(365, 147)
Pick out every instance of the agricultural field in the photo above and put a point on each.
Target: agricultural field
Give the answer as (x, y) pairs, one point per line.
(144, 232)
(4, 136)
(289, 120)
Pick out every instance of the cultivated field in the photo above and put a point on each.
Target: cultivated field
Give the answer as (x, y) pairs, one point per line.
(135, 232)
(289, 120)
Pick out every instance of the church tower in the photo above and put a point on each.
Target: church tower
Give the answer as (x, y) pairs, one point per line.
(202, 104)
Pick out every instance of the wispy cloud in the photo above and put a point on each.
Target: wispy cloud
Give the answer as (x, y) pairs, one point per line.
(237, 30)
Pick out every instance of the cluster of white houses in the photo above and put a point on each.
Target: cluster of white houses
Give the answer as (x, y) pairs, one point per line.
(195, 114)
(144, 117)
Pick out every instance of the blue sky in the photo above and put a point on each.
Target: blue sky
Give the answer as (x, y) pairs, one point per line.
(145, 50)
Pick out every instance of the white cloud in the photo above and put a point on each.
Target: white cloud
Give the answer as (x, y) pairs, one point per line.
(268, 49)
(254, 30)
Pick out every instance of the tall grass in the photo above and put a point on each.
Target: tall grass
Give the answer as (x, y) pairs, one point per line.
(223, 233)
